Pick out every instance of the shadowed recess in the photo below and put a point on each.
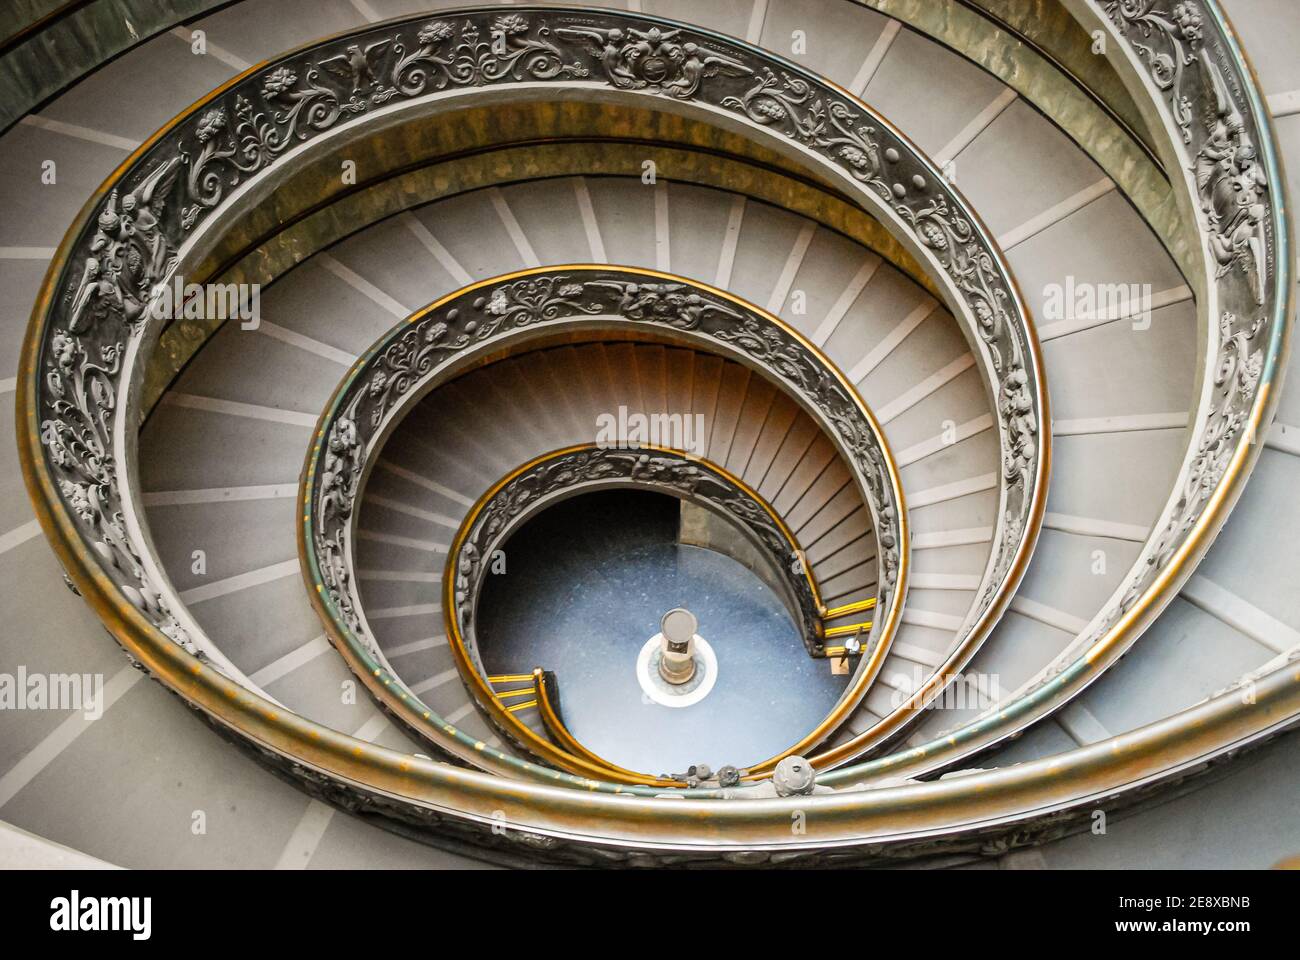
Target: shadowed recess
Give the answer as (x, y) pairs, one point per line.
(586, 582)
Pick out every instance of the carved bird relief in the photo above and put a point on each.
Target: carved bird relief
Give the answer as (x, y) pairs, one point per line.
(356, 66)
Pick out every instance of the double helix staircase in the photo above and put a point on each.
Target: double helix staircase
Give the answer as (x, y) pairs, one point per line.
(1089, 637)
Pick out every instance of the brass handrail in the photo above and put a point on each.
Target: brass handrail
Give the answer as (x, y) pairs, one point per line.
(549, 710)
(1208, 119)
(460, 589)
(847, 630)
(525, 305)
(953, 239)
(848, 609)
(1123, 764)
(910, 198)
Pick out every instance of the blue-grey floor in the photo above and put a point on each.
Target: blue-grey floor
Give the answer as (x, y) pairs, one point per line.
(585, 585)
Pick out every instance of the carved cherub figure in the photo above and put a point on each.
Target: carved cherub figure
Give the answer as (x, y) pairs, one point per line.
(129, 252)
(607, 46)
(1232, 187)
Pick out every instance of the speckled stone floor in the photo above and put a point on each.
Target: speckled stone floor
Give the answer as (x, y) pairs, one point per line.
(585, 585)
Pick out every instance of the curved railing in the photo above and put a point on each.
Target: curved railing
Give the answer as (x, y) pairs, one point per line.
(554, 476)
(190, 185)
(1184, 60)
(543, 695)
(49, 45)
(90, 334)
(498, 315)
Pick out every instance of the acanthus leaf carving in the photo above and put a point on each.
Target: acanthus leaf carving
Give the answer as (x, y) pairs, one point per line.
(481, 318)
(78, 438)
(807, 115)
(657, 59)
(514, 50)
(688, 478)
(1230, 180)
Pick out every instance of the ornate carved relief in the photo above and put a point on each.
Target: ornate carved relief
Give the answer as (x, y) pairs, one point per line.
(1230, 180)
(415, 354)
(657, 59)
(131, 245)
(190, 171)
(188, 174)
(340, 475)
(654, 469)
(1183, 49)
(77, 434)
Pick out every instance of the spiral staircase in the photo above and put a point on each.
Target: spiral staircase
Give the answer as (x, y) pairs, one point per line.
(882, 250)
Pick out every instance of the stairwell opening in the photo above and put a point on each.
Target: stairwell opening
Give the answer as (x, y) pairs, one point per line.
(584, 586)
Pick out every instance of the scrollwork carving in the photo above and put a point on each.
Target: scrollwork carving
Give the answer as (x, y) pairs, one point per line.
(513, 50)
(414, 354)
(78, 438)
(1166, 46)
(658, 59)
(341, 466)
(1184, 50)
(229, 143)
(802, 111)
(1230, 180)
(687, 478)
